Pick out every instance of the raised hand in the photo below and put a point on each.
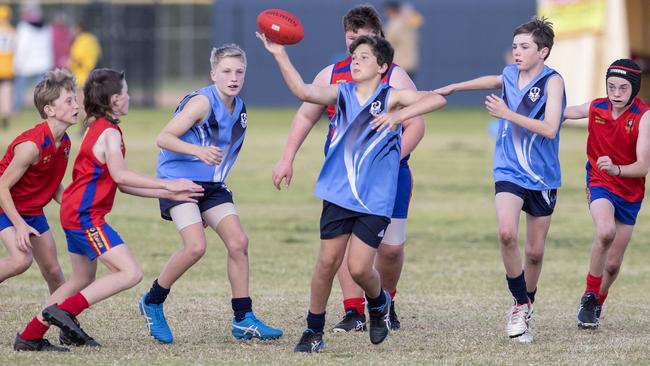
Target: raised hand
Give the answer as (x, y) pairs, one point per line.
(270, 46)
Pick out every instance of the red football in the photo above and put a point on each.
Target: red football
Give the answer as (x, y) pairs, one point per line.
(280, 26)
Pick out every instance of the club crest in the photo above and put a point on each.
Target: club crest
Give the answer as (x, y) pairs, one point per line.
(243, 119)
(533, 94)
(375, 107)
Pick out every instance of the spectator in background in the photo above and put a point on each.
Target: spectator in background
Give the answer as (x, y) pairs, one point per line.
(84, 56)
(402, 25)
(61, 39)
(7, 45)
(33, 57)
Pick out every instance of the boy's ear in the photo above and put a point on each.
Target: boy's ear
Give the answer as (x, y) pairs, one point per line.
(213, 75)
(48, 110)
(545, 51)
(383, 68)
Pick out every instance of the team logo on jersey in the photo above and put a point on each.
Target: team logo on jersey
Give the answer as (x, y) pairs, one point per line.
(243, 119)
(339, 81)
(47, 159)
(375, 107)
(66, 152)
(533, 94)
(629, 125)
(599, 120)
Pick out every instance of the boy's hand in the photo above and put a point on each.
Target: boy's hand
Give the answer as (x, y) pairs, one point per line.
(210, 155)
(445, 90)
(496, 107)
(605, 164)
(185, 196)
(23, 232)
(182, 186)
(282, 170)
(271, 46)
(385, 120)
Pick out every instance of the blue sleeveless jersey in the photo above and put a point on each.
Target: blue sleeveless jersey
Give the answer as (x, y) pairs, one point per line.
(219, 128)
(521, 156)
(361, 164)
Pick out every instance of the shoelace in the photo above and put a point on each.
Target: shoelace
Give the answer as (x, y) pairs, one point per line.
(517, 313)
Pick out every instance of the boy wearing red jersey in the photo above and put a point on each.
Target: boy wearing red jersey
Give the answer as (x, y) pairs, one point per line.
(618, 157)
(30, 176)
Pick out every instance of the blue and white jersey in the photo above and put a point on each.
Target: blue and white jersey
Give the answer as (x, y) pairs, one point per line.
(220, 128)
(521, 156)
(361, 165)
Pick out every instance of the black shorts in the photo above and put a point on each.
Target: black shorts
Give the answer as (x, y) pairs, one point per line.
(336, 220)
(214, 194)
(536, 203)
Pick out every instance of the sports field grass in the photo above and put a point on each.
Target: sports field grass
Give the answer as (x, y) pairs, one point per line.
(452, 296)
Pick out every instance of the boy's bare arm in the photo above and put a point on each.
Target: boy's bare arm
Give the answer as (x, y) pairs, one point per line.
(577, 111)
(480, 83)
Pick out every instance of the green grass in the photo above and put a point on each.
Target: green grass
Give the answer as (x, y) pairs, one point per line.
(452, 296)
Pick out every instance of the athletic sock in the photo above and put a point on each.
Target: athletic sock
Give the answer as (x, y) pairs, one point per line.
(531, 295)
(157, 294)
(241, 306)
(392, 294)
(517, 287)
(376, 303)
(75, 304)
(601, 298)
(34, 330)
(593, 284)
(356, 303)
(315, 322)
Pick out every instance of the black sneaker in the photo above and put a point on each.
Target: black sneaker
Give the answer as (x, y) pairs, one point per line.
(310, 342)
(589, 311)
(70, 328)
(89, 341)
(352, 321)
(394, 320)
(379, 321)
(36, 345)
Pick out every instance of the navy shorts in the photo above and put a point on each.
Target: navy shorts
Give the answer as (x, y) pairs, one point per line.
(404, 192)
(214, 194)
(624, 211)
(37, 222)
(536, 203)
(336, 220)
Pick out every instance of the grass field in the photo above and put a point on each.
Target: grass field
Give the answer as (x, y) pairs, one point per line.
(452, 296)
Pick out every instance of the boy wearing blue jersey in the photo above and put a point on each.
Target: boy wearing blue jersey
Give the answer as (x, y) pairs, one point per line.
(358, 180)
(526, 165)
(201, 142)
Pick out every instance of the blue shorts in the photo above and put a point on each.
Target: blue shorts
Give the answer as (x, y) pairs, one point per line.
(536, 203)
(404, 192)
(214, 194)
(624, 211)
(336, 220)
(92, 242)
(37, 222)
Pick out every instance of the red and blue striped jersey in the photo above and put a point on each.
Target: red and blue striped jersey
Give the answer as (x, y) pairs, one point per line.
(91, 194)
(617, 139)
(37, 186)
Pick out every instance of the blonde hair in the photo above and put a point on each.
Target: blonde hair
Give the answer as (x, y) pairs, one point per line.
(227, 50)
(49, 89)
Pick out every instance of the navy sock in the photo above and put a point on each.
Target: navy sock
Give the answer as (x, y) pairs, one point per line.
(377, 305)
(531, 295)
(241, 306)
(315, 322)
(157, 294)
(517, 287)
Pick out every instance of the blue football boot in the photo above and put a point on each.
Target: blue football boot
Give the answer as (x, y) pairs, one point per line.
(251, 327)
(155, 317)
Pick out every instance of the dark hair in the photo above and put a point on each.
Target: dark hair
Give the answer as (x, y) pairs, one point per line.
(363, 16)
(101, 85)
(380, 47)
(49, 89)
(541, 30)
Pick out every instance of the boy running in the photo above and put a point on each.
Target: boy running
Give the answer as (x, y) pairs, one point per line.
(526, 164)
(201, 142)
(358, 181)
(618, 156)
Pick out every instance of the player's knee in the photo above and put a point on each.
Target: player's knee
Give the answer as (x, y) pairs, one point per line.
(239, 246)
(507, 236)
(53, 273)
(391, 253)
(359, 273)
(535, 257)
(195, 249)
(605, 235)
(133, 275)
(20, 264)
(612, 268)
(329, 263)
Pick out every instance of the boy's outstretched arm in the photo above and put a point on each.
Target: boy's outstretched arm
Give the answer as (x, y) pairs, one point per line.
(414, 103)
(547, 127)
(480, 83)
(640, 167)
(577, 111)
(324, 95)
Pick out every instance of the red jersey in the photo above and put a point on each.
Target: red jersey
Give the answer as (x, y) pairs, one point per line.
(91, 194)
(341, 74)
(37, 186)
(617, 139)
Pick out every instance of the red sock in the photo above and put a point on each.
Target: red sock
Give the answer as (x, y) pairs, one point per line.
(34, 330)
(392, 294)
(357, 303)
(601, 298)
(593, 284)
(75, 304)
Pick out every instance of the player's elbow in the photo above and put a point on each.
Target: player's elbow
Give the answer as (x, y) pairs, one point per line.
(161, 140)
